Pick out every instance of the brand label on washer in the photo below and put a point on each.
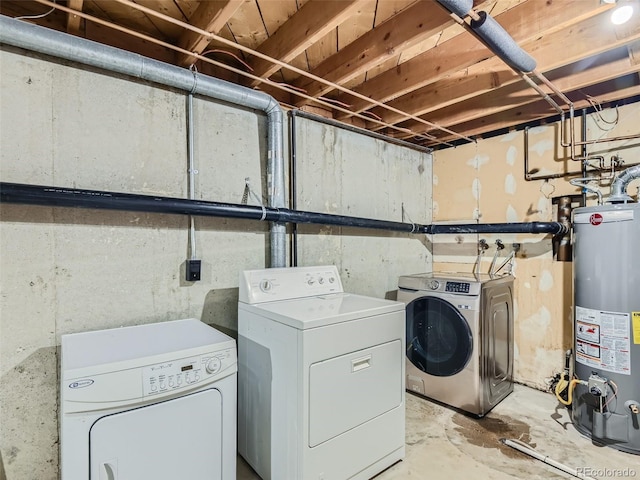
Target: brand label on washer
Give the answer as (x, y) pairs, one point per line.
(602, 339)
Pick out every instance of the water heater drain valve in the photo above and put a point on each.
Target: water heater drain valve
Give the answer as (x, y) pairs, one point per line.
(598, 386)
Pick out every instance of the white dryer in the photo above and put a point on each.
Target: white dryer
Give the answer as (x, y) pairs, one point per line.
(154, 401)
(320, 377)
(459, 338)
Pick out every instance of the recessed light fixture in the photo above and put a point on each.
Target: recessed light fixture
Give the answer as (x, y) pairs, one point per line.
(621, 14)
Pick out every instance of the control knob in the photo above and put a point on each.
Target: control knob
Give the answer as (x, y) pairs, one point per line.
(265, 286)
(434, 284)
(213, 365)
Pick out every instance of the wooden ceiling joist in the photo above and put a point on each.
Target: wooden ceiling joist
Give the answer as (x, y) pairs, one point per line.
(520, 94)
(313, 21)
(73, 21)
(611, 91)
(528, 21)
(402, 31)
(211, 16)
(493, 75)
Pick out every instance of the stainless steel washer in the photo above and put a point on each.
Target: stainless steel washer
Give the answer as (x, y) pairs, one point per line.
(459, 338)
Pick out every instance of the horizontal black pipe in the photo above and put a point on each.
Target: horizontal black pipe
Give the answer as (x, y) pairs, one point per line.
(72, 197)
(529, 227)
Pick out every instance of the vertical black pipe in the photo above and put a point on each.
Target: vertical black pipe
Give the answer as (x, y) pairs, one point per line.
(293, 186)
(564, 250)
(583, 136)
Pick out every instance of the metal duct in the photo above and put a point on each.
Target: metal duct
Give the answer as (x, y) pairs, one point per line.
(620, 184)
(71, 197)
(61, 45)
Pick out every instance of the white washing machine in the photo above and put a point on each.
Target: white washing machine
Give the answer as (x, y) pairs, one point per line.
(320, 377)
(459, 338)
(154, 401)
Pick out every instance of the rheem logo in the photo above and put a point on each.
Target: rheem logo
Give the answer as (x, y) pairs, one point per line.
(595, 219)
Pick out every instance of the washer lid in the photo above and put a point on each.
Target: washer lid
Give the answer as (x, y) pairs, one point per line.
(312, 312)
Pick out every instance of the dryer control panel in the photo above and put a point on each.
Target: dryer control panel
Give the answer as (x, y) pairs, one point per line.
(186, 372)
(271, 284)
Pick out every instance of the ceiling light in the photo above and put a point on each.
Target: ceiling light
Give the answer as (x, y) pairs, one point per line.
(621, 14)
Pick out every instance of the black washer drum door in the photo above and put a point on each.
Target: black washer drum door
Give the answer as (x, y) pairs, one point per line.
(439, 340)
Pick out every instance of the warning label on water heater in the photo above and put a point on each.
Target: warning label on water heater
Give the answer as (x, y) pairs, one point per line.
(602, 340)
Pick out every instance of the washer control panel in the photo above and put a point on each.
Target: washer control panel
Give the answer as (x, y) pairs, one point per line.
(457, 287)
(186, 372)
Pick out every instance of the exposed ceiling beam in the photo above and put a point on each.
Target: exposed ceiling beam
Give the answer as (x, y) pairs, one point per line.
(73, 21)
(520, 94)
(491, 74)
(404, 30)
(212, 16)
(314, 20)
(526, 22)
(613, 90)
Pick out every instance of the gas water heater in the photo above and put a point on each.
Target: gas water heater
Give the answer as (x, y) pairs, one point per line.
(606, 398)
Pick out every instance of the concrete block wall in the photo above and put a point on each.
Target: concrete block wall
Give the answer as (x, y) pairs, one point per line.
(362, 177)
(70, 270)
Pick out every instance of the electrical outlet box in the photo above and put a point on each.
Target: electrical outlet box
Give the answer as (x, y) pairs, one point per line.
(193, 270)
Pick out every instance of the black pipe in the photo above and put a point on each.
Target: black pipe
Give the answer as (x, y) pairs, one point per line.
(361, 131)
(583, 137)
(530, 227)
(293, 187)
(72, 197)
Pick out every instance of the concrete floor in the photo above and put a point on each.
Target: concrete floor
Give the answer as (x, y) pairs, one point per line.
(444, 444)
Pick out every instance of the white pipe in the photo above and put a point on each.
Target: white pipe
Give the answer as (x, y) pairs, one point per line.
(543, 458)
(580, 182)
(61, 45)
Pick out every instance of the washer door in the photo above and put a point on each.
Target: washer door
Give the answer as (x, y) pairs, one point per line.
(439, 339)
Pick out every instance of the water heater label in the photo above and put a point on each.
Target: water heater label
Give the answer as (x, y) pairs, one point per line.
(602, 339)
(607, 216)
(635, 318)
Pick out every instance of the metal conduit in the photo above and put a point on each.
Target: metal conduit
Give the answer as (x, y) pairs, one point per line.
(71, 197)
(61, 45)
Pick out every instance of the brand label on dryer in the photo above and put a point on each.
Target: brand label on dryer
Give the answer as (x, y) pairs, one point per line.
(81, 383)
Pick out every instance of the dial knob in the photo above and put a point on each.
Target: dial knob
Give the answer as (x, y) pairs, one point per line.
(434, 284)
(213, 365)
(265, 285)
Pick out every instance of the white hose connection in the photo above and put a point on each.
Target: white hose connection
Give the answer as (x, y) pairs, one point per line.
(526, 449)
(583, 182)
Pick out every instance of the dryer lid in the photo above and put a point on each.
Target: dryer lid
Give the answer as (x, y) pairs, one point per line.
(312, 312)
